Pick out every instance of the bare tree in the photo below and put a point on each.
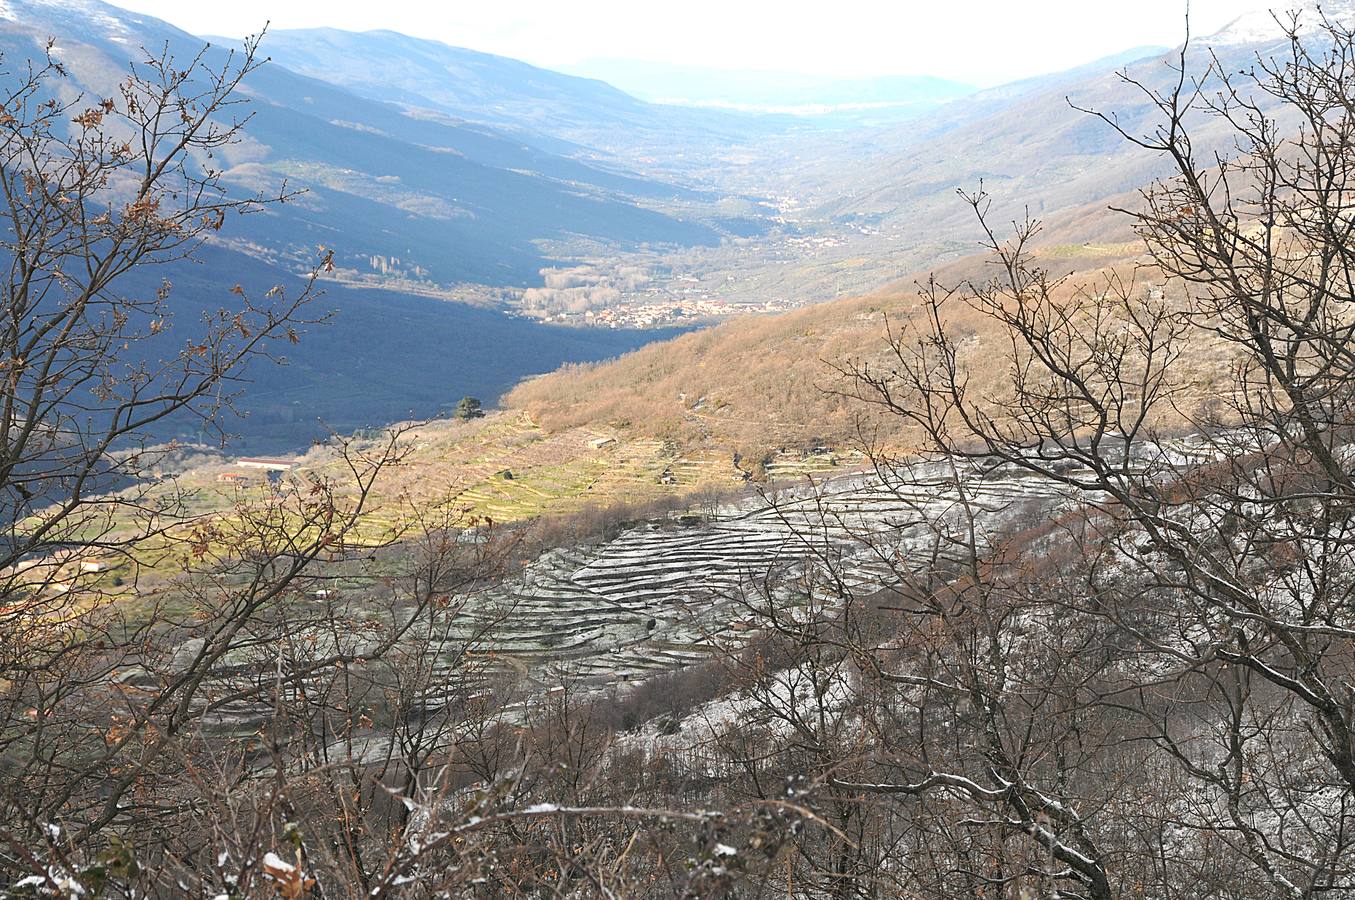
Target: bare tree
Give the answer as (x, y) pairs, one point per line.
(291, 697)
(1217, 570)
(131, 706)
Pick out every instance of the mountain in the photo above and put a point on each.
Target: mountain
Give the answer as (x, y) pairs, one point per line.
(461, 202)
(1031, 143)
(475, 86)
(755, 383)
(1264, 25)
(888, 194)
(574, 116)
(430, 168)
(405, 201)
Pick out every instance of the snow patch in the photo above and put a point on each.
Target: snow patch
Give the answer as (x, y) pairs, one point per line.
(275, 863)
(1265, 24)
(95, 15)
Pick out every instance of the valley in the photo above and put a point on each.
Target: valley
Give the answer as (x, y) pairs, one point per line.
(428, 472)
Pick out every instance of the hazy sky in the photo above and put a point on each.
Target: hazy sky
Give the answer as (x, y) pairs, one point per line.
(980, 41)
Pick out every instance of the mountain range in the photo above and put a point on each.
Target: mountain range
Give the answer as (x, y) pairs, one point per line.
(767, 91)
(441, 175)
(403, 199)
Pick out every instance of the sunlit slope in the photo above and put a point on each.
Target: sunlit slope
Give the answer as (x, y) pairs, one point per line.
(763, 384)
(753, 382)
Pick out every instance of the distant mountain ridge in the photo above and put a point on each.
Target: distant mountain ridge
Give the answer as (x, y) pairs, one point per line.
(461, 202)
(1265, 23)
(475, 86)
(1029, 144)
(567, 114)
(768, 91)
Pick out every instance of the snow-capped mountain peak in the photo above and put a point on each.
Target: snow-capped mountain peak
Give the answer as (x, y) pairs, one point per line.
(1267, 23)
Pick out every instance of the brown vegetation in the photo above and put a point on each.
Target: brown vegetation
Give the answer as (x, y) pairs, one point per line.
(759, 383)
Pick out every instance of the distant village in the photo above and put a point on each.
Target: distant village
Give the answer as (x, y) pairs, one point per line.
(632, 292)
(632, 296)
(658, 314)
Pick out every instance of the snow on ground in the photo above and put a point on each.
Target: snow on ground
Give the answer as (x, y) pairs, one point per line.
(1262, 23)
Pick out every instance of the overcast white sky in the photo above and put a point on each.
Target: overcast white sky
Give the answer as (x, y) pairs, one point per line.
(978, 41)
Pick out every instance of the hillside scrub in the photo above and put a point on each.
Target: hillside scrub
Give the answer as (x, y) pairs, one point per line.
(759, 383)
(1160, 696)
(1148, 694)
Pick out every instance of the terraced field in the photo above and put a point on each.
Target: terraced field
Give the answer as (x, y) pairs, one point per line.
(662, 593)
(657, 595)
